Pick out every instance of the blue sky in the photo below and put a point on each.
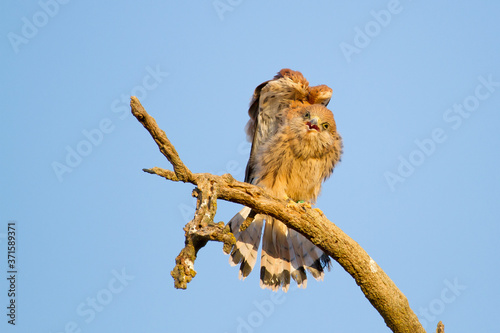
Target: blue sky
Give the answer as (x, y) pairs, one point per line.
(416, 96)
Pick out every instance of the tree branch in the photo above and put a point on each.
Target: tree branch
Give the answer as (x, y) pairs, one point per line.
(440, 327)
(377, 287)
(166, 148)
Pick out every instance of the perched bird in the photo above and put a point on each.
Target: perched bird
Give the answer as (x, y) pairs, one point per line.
(295, 146)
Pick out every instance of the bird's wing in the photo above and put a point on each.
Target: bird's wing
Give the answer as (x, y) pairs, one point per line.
(320, 95)
(269, 100)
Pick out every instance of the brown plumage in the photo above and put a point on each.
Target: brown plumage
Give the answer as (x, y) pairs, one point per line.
(295, 146)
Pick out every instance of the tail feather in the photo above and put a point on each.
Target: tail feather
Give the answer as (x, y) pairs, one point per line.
(281, 242)
(298, 271)
(275, 260)
(285, 253)
(238, 220)
(247, 242)
(315, 260)
(269, 260)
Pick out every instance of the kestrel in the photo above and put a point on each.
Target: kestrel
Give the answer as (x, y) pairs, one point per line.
(295, 146)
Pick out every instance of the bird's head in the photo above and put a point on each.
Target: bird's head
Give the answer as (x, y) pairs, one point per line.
(314, 128)
(312, 119)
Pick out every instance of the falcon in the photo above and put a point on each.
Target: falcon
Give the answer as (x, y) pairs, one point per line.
(295, 147)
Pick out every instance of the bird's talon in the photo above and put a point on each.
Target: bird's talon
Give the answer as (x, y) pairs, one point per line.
(305, 204)
(289, 202)
(319, 211)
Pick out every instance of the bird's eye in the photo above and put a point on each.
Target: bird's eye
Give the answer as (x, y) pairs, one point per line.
(307, 115)
(326, 125)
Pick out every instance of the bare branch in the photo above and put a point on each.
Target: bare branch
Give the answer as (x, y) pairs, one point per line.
(378, 288)
(168, 174)
(166, 148)
(198, 232)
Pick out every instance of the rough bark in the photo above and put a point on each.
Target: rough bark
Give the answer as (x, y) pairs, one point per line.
(377, 287)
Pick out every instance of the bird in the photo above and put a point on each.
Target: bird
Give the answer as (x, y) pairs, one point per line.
(295, 147)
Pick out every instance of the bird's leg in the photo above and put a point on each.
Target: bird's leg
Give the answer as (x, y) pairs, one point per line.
(289, 202)
(305, 204)
(301, 203)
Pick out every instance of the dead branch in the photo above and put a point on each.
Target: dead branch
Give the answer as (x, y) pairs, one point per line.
(440, 328)
(377, 287)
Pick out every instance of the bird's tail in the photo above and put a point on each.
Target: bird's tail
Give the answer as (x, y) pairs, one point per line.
(285, 252)
(247, 241)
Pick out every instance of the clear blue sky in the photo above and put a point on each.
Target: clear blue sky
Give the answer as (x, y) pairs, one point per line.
(416, 96)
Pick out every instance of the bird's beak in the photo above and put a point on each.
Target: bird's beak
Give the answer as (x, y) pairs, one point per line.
(313, 123)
